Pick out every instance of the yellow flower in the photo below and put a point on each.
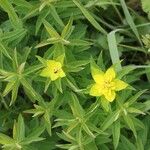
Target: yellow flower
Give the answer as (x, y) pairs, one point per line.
(106, 84)
(53, 70)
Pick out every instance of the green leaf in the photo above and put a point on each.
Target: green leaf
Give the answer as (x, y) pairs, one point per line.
(72, 126)
(30, 89)
(6, 5)
(113, 49)
(8, 88)
(4, 139)
(130, 20)
(134, 98)
(87, 130)
(79, 42)
(91, 146)
(89, 17)
(105, 104)
(72, 85)
(59, 51)
(16, 34)
(48, 127)
(32, 12)
(34, 135)
(146, 5)
(110, 119)
(140, 145)
(32, 69)
(75, 66)
(116, 133)
(135, 110)
(55, 15)
(15, 59)
(76, 107)
(14, 92)
(39, 22)
(4, 50)
(42, 6)
(19, 129)
(61, 58)
(95, 68)
(42, 60)
(67, 29)
(23, 3)
(125, 70)
(27, 51)
(126, 144)
(100, 61)
(51, 31)
(47, 84)
(130, 123)
(58, 85)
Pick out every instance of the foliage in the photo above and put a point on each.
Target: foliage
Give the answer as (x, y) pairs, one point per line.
(74, 74)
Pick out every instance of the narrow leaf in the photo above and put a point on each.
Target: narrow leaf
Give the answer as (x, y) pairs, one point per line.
(89, 17)
(113, 49)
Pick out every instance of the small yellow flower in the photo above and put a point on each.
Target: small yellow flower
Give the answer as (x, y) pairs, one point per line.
(53, 70)
(106, 84)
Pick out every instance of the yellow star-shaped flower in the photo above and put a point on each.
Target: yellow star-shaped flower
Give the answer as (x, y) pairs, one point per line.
(106, 84)
(53, 70)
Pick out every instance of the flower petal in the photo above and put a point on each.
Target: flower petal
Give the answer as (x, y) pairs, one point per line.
(95, 90)
(110, 74)
(54, 76)
(99, 78)
(62, 73)
(120, 85)
(53, 64)
(45, 72)
(110, 95)
(97, 73)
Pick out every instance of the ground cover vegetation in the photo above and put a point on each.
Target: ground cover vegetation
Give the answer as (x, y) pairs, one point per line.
(74, 74)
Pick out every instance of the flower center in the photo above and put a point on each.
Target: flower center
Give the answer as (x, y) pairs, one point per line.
(109, 85)
(56, 70)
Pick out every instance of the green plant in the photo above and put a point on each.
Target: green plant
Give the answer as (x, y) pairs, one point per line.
(75, 73)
